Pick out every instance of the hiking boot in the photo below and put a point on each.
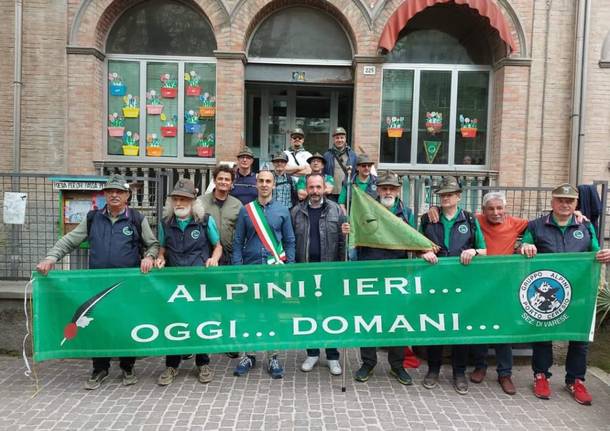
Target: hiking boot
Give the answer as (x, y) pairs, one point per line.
(579, 392)
(402, 376)
(478, 375)
(431, 380)
(244, 365)
(167, 377)
(363, 374)
(96, 379)
(309, 363)
(507, 385)
(460, 384)
(334, 367)
(274, 368)
(129, 377)
(232, 355)
(204, 374)
(542, 389)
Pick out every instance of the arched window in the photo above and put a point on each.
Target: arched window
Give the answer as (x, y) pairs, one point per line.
(436, 81)
(161, 83)
(300, 32)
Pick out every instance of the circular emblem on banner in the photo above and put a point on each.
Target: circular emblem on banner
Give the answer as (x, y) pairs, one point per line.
(127, 231)
(578, 234)
(195, 234)
(545, 295)
(463, 228)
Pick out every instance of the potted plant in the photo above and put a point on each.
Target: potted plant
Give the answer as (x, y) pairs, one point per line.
(205, 146)
(153, 103)
(153, 148)
(434, 122)
(169, 86)
(116, 125)
(131, 146)
(395, 126)
(192, 83)
(191, 122)
(207, 106)
(169, 129)
(131, 110)
(468, 127)
(116, 86)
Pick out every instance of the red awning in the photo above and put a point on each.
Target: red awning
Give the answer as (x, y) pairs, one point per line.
(410, 8)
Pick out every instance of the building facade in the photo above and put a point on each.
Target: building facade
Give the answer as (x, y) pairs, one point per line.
(514, 90)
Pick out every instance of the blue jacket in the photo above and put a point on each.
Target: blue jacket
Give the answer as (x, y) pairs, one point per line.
(462, 235)
(244, 187)
(329, 161)
(189, 247)
(247, 247)
(114, 245)
(549, 238)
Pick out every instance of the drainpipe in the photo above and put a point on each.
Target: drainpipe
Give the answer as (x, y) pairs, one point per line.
(579, 91)
(17, 89)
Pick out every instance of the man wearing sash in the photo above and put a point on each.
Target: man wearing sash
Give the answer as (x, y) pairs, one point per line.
(263, 235)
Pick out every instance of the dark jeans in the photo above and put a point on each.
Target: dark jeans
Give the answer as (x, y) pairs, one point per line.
(174, 360)
(126, 363)
(504, 358)
(576, 360)
(369, 356)
(459, 358)
(332, 354)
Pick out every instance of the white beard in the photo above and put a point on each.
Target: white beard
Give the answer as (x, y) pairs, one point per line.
(183, 212)
(388, 202)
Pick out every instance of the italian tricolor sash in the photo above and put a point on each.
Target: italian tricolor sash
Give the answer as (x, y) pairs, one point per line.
(265, 233)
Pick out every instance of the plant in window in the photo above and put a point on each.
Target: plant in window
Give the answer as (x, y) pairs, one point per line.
(131, 110)
(207, 106)
(468, 127)
(395, 126)
(191, 122)
(131, 146)
(117, 86)
(192, 79)
(153, 103)
(205, 145)
(434, 122)
(153, 148)
(116, 125)
(169, 86)
(168, 127)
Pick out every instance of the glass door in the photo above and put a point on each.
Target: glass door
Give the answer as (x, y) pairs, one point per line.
(277, 125)
(313, 108)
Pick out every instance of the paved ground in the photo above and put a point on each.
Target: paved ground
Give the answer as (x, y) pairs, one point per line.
(300, 401)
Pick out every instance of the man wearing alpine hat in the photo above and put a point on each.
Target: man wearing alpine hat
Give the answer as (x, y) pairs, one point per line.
(244, 184)
(337, 160)
(363, 179)
(297, 154)
(115, 234)
(560, 232)
(316, 162)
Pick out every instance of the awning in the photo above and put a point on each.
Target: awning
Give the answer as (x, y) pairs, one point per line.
(410, 8)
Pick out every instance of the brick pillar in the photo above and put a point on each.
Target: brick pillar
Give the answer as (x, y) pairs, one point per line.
(85, 116)
(367, 101)
(230, 103)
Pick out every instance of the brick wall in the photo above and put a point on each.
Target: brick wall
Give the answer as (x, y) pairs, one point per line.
(7, 43)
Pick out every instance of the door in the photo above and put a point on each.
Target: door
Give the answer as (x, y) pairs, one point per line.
(273, 110)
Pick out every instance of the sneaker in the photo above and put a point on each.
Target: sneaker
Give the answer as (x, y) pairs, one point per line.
(363, 374)
(478, 375)
(309, 363)
(507, 385)
(129, 377)
(204, 374)
(275, 368)
(431, 380)
(167, 377)
(542, 389)
(96, 379)
(579, 392)
(187, 357)
(244, 365)
(335, 367)
(402, 376)
(460, 384)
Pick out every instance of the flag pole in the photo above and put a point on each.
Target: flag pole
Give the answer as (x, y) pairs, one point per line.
(348, 195)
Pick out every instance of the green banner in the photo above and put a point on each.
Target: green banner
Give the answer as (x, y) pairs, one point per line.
(495, 299)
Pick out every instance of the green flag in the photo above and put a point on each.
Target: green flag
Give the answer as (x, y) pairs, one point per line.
(373, 225)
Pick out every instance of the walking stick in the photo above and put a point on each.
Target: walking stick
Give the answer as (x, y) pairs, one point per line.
(348, 195)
